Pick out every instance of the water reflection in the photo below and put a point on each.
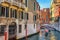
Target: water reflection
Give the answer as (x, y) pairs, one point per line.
(33, 37)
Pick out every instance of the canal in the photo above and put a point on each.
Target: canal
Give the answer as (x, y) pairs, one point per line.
(32, 37)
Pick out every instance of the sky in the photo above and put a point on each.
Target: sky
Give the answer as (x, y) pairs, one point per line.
(44, 3)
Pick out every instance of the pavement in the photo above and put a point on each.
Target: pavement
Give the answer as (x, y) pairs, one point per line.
(53, 35)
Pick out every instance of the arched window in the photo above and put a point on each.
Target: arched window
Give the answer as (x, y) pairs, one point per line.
(4, 11)
(13, 13)
(12, 28)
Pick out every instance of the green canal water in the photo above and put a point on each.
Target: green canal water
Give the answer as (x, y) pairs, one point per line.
(33, 37)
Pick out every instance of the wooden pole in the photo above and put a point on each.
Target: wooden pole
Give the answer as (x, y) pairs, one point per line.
(5, 36)
(6, 33)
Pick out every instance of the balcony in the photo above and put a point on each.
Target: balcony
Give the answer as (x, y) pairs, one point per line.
(12, 2)
(23, 5)
(9, 1)
(19, 4)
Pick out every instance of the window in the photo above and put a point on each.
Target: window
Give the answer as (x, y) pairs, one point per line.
(52, 18)
(47, 17)
(2, 11)
(25, 26)
(26, 3)
(34, 6)
(55, 1)
(27, 15)
(21, 15)
(51, 13)
(18, 1)
(2, 28)
(59, 13)
(39, 8)
(12, 29)
(43, 21)
(7, 12)
(34, 25)
(20, 27)
(13, 13)
(56, 19)
(34, 17)
(21, 0)
(39, 16)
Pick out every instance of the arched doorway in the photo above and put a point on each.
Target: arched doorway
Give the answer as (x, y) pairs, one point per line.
(12, 31)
